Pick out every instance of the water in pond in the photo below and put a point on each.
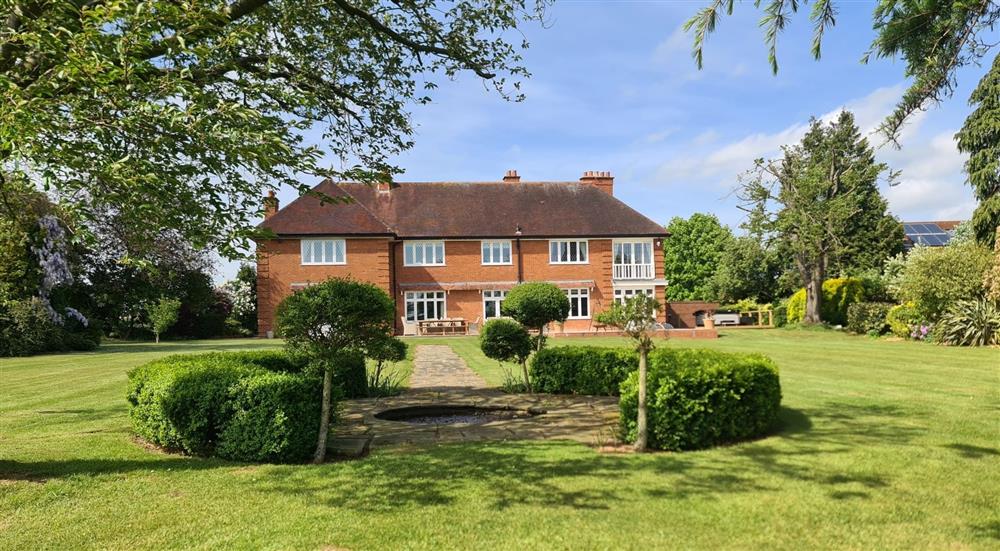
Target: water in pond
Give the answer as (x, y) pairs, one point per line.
(453, 415)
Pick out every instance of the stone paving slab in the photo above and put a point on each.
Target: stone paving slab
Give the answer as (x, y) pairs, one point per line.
(441, 377)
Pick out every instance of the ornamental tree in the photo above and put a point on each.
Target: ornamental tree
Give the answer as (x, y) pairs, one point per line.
(178, 114)
(163, 315)
(388, 349)
(536, 304)
(328, 320)
(636, 317)
(506, 340)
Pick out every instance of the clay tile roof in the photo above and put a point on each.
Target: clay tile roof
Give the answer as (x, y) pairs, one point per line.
(465, 209)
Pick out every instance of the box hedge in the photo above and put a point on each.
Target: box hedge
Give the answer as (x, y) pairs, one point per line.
(582, 369)
(702, 398)
(868, 318)
(251, 406)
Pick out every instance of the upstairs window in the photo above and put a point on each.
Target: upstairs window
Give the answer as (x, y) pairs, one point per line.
(423, 253)
(324, 251)
(567, 252)
(496, 252)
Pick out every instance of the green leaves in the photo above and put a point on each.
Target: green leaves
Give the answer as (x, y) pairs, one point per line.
(210, 103)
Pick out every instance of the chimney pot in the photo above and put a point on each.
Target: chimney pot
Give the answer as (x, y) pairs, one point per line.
(602, 180)
(511, 177)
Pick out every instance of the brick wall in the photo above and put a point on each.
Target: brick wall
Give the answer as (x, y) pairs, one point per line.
(279, 268)
(682, 314)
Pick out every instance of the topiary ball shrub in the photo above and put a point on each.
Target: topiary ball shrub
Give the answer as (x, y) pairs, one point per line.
(535, 304)
(702, 398)
(591, 370)
(188, 402)
(868, 318)
(273, 417)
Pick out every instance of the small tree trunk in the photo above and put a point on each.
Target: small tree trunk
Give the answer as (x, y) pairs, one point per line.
(157, 336)
(527, 381)
(814, 299)
(324, 422)
(640, 425)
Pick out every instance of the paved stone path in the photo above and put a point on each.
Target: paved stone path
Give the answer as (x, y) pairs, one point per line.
(436, 366)
(441, 377)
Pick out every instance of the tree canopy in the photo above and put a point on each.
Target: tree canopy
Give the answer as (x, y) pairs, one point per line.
(692, 254)
(180, 114)
(820, 201)
(980, 139)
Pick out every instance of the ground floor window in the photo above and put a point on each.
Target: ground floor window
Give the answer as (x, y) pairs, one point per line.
(425, 305)
(621, 295)
(491, 304)
(579, 303)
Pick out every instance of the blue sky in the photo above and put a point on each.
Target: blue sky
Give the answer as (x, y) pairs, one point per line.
(614, 88)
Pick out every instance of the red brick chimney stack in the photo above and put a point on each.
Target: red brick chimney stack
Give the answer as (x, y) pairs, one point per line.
(511, 177)
(270, 204)
(383, 187)
(603, 181)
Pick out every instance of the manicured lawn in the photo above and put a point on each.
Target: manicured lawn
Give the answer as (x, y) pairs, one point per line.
(882, 445)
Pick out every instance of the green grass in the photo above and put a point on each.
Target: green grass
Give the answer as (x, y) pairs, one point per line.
(882, 445)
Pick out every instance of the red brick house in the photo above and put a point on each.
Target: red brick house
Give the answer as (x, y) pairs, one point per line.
(451, 250)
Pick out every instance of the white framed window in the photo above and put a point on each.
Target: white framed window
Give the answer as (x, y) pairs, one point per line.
(323, 251)
(621, 295)
(567, 252)
(633, 259)
(496, 252)
(579, 303)
(425, 305)
(492, 304)
(423, 253)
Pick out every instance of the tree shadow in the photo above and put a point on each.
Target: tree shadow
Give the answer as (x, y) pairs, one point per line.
(41, 471)
(969, 451)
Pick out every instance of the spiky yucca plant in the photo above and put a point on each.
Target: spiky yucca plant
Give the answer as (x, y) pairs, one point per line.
(970, 323)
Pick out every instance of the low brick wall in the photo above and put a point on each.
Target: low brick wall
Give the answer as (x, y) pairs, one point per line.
(682, 314)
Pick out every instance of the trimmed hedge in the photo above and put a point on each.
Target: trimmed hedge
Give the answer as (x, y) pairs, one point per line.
(702, 398)
(273, 417)
(250, 406)
(838, 295)
(591, 370)
(351, 376)
(868, 318)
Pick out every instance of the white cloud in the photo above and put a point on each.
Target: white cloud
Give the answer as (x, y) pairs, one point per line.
(931, 183)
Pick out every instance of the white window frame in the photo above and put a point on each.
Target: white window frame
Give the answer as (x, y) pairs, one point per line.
(411, 248)
(438, 298)
(578, 296)
(567, 242)
(337, 248)
(624, 293)
(489, 249)
(493, 296)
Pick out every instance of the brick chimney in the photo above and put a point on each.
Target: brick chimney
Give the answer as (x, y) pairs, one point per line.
(384, 187)
(511, 177)
(270, 204)
(603, 181)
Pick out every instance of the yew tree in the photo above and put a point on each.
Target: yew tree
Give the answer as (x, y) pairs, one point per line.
(179, 114)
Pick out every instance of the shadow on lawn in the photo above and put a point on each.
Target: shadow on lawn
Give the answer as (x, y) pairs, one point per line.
(41, 471)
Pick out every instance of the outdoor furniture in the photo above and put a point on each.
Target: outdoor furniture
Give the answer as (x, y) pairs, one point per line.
(442, 327)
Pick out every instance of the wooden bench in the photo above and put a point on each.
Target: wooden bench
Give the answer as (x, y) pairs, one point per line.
(442, 327)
